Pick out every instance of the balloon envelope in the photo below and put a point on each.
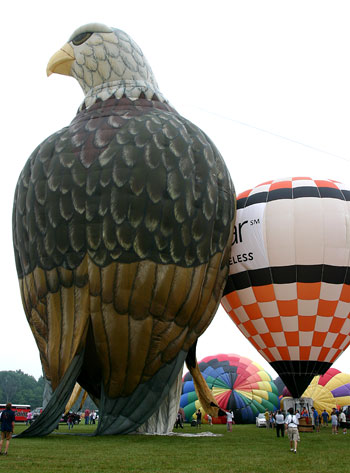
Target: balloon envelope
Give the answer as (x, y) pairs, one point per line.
(330, 390)
(237, 383)
(289, 285)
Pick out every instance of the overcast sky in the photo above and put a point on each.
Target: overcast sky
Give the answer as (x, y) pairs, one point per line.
(268, 81)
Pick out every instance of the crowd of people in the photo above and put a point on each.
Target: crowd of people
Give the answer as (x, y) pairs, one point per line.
(7, 422)
(288, 423)
(337, 419)
(277, 420)
(90, 417)
(291, 421)
(198, 422)
(281, 421)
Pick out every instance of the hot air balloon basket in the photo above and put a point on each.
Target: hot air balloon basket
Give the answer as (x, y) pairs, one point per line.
(305, 425)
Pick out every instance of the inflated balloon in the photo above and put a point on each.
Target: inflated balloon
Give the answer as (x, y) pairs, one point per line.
(330, 390)
(122, 226)
(237, 383)
(289, 285)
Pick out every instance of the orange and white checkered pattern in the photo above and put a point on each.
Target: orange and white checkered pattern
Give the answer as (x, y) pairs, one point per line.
(283, 323)
(292, 183)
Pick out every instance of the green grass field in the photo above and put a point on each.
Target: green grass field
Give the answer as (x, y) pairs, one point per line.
(246, 450)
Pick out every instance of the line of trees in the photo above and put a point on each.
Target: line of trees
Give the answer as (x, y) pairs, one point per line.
(20, 388)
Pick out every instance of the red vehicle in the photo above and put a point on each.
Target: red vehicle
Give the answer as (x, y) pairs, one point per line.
(21, 411)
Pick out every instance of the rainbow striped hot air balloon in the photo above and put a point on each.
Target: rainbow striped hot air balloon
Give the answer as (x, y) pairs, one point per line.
(237, 383)
(289, 285)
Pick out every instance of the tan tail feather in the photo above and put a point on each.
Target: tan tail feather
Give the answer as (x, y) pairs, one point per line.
(83, 399)
(73, 398)
(203, 392)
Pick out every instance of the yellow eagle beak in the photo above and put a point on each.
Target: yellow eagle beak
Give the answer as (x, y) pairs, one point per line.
(61, 62)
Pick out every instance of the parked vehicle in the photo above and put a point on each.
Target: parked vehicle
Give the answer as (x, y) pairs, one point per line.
(21, 411)
(76, 418)
(260, 420)
(36, 412)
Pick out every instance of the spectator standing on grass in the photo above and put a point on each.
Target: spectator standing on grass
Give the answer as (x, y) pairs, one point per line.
(7, 421)
(70, 421)
(87, 416)
(210, 419)
(229, 420)
(179, 421)
(291, 424)
(325, 418)
(199, 419)
(270, 420)
(267, 418)
(342, 421)
(279, 424)
(334, 420)
(29, 418)
(316, 419)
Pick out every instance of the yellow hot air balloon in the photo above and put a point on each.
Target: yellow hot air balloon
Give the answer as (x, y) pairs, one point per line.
(329, 390)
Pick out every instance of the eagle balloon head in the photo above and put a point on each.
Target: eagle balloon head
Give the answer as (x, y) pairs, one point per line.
(106, 62)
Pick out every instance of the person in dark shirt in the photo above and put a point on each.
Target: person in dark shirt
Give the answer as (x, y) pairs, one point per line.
(325, 417)
(199, 418)
(7, 421)
(316, 419)
(179, 421)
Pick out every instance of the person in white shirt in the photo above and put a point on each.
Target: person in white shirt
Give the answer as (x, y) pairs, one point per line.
(280, 424)
(229, 420)
(291, 424)
(342, 421)
(334, 420)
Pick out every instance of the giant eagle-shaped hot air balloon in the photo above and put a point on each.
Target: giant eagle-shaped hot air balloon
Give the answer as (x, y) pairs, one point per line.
(122, 227)
(289, 284)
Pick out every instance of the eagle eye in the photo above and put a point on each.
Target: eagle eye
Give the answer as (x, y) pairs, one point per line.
(81, 38)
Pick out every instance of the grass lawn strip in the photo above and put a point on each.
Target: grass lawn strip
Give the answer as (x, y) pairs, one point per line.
(246, 450)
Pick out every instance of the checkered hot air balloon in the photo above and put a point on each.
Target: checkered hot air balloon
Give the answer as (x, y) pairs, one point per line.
(289, 285)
